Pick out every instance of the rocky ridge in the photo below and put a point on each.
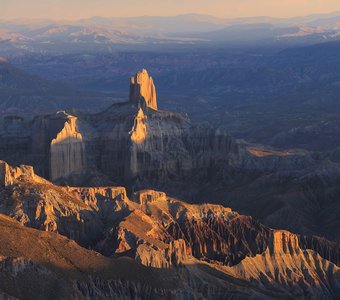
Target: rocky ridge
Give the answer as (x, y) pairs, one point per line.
(195, 242)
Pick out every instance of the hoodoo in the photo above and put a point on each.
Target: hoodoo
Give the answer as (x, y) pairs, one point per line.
(142, 86)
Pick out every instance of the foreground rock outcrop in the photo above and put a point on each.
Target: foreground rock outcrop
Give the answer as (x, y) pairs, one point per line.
(151, 245)
(49, 266)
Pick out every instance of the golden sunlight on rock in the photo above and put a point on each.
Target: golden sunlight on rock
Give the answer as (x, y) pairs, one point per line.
(260, 152)
(139, 131)
(142, 86)
(229, 190)
(9, 174)
(70, 131)
(145, 196)
(194, 242)
(285, 263)
(67, 153)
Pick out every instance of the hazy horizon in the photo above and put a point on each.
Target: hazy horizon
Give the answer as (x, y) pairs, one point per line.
(227, 9)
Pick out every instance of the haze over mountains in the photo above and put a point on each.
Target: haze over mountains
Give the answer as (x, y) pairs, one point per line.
(216, 178)
(39, 35)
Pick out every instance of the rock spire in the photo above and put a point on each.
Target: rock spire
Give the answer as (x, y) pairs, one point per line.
(142, 86)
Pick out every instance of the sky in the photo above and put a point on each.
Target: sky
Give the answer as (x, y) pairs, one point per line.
(78, 9)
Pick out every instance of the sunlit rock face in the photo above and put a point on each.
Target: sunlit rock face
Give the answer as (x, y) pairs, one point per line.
(285, 265)
(145, 196)
(142, 86)
(67, 151)
(195, 244)
(139, 131)
(55, 131)
(174, 254)
(9, 174)
(160, 144)
(138, 135)
(130, 143)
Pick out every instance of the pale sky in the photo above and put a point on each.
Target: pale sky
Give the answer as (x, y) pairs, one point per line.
(77, 9)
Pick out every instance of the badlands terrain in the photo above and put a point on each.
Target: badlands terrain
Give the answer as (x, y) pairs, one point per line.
(148, 245)
(93, 199)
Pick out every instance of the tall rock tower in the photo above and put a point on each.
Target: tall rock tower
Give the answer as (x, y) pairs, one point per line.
(67, 150)
(141, 85)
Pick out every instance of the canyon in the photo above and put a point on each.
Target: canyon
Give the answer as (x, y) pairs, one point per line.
(136, 145)
(100, 192)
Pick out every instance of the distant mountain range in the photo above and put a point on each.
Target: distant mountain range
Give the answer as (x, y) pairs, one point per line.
(98, 33)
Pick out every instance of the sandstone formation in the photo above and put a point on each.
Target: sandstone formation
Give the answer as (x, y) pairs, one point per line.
(57, 146)
(133, 145)
(142, 87)
(8, 174)
(127, 144)
(211, 250)
(145, 196)
(49, 266)
(285, 264)
(139, 131)
(67, 151)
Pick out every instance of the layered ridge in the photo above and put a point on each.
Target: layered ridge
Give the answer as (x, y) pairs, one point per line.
(208, 243)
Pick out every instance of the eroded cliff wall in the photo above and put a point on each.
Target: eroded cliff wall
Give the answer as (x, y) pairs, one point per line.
(67, 151)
